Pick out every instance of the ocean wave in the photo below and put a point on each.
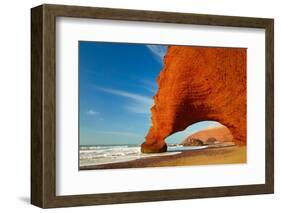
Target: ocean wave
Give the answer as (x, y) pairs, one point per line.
(102, 147)
(96, 155)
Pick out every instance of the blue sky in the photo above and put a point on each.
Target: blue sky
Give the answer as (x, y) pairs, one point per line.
(117, 82)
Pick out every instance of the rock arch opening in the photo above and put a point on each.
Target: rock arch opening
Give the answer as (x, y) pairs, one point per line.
(210, 133)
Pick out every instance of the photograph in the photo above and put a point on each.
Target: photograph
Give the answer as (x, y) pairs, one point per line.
(173, 105)
(158, 105)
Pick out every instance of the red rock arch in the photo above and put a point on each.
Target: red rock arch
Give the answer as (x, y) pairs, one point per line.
(197, 84)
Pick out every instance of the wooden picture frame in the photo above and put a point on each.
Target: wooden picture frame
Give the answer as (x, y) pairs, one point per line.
(43, 105)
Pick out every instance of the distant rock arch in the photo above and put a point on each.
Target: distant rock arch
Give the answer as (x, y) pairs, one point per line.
(215, 134)
(197, 84)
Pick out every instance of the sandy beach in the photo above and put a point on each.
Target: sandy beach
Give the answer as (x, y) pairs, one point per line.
(216, 155)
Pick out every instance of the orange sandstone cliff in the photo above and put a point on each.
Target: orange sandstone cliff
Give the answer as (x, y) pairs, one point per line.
(198, 84)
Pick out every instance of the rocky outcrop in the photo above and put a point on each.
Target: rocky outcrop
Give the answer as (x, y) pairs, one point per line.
(193, 142)
(209, 136)
(198, 84)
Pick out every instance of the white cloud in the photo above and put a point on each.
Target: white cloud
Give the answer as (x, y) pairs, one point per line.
(139, 103)
(127, 134)
(134, 96)
(92, 112)
(158, 51)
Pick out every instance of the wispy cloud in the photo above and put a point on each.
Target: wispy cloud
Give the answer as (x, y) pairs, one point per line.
(139, 103)
(149, 85)
(158, 51)
(127, 134)
(133, 96)
(92, 112)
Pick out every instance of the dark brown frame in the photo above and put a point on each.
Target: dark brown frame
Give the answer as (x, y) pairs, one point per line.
(43, 105)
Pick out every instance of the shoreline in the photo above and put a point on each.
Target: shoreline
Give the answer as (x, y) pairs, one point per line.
(208, 156)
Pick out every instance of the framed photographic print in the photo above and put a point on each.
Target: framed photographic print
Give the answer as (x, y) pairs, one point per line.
(136, 106)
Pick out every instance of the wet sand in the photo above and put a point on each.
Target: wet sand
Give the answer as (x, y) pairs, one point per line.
(216, 155)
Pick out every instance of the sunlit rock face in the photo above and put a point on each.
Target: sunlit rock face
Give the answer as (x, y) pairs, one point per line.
(197, 84)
